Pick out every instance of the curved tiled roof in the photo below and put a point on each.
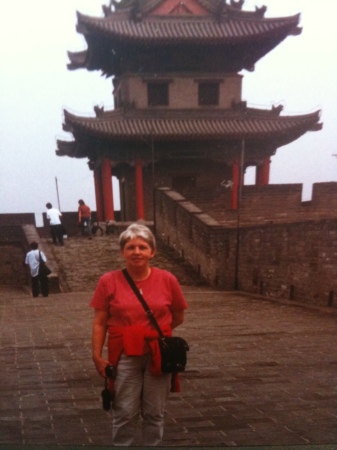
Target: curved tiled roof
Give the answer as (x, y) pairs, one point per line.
(110, 39)
(190, 125)
(194, 29)
(135, 23)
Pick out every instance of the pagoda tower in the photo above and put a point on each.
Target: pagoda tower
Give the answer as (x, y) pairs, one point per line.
(179, 118)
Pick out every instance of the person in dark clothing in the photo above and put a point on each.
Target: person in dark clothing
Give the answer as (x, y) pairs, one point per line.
(40, 282)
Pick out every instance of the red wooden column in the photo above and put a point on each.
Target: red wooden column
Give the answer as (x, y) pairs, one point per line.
(235, 185)
(139, 190)
(99, 194)
(266, 171)
(108, 203)
(258, 175)
(262, 173)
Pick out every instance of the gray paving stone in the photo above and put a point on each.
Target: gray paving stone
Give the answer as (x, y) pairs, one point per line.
(260, 374)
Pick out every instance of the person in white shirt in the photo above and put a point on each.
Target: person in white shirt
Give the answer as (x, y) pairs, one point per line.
(56, 229)
(39, 281)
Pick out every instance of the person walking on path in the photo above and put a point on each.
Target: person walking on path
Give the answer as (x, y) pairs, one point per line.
(40, 282)
(84, 218)
(56, 229)
(138, 389)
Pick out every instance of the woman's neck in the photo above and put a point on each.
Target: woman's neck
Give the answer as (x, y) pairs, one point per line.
(139, 274)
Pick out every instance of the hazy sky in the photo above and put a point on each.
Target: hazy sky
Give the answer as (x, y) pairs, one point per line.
(35, 36)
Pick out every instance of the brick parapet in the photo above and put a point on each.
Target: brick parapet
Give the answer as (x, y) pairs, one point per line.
(296, 260)
(13, 248)
(196, 236)
(16, 219)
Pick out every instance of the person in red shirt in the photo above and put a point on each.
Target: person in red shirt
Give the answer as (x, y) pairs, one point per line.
(138, 388)
(84, 218)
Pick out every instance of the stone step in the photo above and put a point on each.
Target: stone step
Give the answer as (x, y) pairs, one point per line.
(82, 261)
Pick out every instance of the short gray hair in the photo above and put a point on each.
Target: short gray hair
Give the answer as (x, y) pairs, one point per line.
(137, 230)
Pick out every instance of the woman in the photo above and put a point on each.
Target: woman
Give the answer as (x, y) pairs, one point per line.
(84, 218)
(136, 388)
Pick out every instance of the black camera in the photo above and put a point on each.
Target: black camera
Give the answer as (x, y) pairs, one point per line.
(106, 398)
(107, 395)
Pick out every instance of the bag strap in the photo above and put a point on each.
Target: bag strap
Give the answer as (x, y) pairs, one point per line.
(148, 311)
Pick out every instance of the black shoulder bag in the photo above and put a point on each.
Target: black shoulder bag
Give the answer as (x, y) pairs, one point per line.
(43, 268)
(173, 349)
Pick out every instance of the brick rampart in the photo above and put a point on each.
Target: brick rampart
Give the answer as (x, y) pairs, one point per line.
(205, 244)
(294, 260)
(271, 203)
(17, 219)
(13, 248)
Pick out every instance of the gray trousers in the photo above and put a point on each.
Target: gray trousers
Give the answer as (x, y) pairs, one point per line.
(139, 406)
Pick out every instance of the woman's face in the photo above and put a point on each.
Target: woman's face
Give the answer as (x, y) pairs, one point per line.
(137, 253)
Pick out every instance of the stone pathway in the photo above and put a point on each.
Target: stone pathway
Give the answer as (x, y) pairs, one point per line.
(260, 374)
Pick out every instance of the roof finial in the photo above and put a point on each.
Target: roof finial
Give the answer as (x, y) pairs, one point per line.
(220, 10)
(277, 109)
(260, 12)
(136, 12)
(237, 3)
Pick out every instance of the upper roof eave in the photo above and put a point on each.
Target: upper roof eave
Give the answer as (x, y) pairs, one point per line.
(184, 28)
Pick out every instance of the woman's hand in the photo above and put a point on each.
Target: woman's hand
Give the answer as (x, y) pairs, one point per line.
(100, 364)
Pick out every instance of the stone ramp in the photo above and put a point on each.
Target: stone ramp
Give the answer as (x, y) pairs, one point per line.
(260, 374)
(81, 262)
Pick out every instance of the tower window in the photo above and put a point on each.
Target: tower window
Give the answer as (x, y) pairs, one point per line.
(209, 93)
(158, 94)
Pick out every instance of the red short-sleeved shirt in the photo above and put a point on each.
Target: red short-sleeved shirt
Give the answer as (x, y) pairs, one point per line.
(85, 211)
(161, 291)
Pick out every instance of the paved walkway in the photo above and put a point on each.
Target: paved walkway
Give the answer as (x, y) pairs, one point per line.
(260, 374)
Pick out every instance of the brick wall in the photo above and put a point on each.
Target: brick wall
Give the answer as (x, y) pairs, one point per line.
(270, 204)
(17, 219)
(13, 248)
(294, 260)
(206, 245)
(324, 197)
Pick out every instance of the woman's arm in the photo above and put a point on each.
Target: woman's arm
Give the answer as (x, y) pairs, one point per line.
(177, 318)
(98, 338)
